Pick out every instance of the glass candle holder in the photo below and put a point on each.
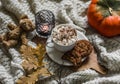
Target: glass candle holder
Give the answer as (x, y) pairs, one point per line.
(45, 22)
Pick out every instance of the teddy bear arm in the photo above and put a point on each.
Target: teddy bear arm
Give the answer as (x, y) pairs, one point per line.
(14, 34)
(10, 43)
(4, 37)
(24, 38)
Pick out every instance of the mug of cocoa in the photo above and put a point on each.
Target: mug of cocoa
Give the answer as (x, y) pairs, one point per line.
(64, 37)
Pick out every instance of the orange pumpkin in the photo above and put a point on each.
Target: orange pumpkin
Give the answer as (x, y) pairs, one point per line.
(104, 16)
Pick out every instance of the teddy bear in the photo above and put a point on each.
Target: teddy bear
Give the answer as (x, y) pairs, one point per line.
(18, 33)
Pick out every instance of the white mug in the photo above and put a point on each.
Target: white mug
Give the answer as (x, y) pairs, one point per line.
(62, 48)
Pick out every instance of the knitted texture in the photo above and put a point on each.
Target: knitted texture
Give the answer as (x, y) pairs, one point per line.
(65, 11)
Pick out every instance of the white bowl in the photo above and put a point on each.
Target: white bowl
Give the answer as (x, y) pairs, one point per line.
(60, 47)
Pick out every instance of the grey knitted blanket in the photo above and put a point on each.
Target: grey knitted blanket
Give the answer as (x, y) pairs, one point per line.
(66, 11)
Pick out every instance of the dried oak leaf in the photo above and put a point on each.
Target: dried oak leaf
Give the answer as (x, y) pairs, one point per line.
(30, 62)
(28, 66)
(32, 78)
(39, 52)
(33, 64)
(92, 63)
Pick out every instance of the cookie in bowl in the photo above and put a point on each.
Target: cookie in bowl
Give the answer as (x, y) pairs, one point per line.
(64, 37)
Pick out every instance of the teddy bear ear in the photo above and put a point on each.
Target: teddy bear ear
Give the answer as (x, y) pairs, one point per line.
(24, 17)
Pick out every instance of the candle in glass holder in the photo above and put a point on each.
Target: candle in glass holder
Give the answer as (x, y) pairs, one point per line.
(45, 22)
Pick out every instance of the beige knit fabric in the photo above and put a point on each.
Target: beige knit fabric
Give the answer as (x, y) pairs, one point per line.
(66, 11)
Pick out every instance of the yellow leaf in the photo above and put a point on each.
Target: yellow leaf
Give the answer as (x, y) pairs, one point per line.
(32, 78)
(33, 64)
(40, 51)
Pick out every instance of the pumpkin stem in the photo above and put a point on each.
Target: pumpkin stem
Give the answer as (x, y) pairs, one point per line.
(111, 11)
(106, 3)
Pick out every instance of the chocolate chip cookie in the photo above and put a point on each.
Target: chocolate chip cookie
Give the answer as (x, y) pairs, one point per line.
(81, 50)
